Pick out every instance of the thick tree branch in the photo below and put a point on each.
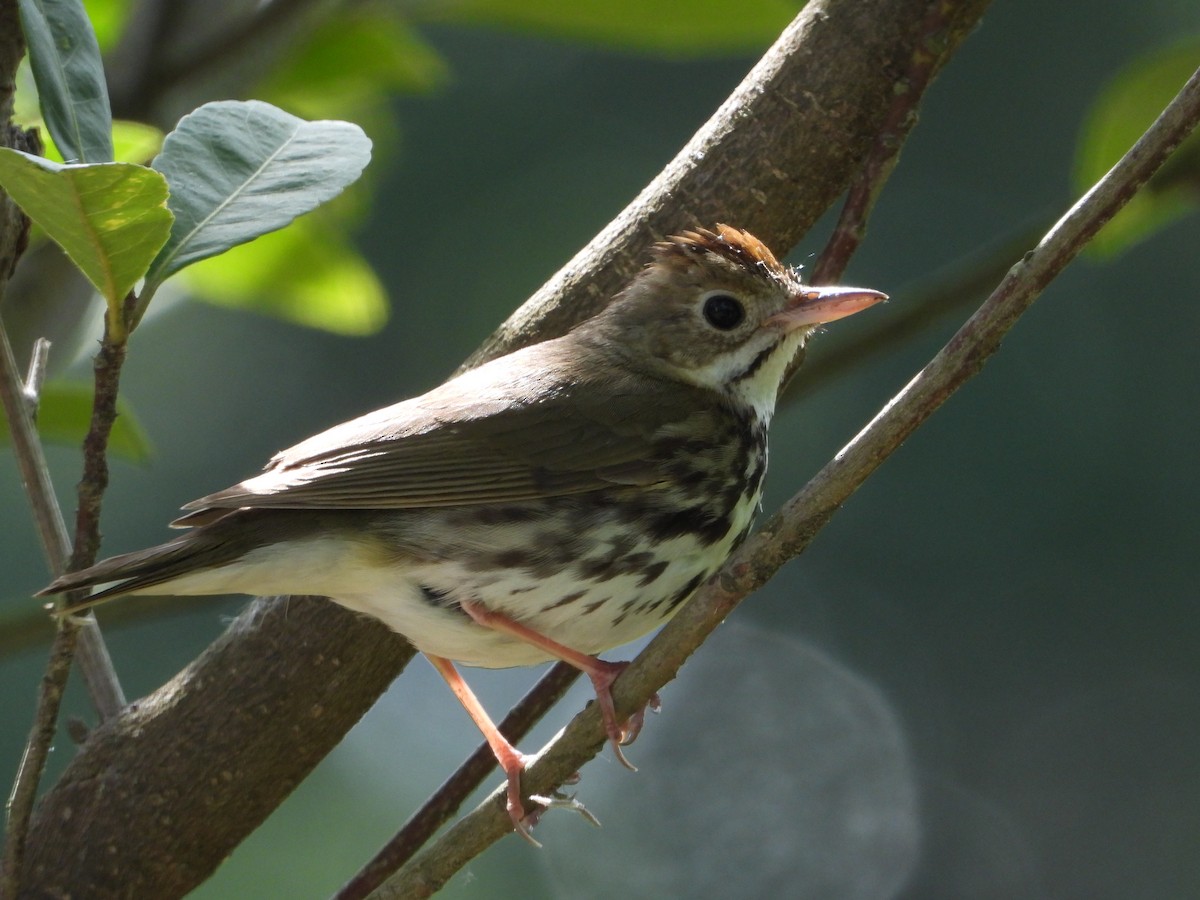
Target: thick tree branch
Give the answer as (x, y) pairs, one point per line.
(205, 769)
(773, 158)
(810, 111)
(790, 530)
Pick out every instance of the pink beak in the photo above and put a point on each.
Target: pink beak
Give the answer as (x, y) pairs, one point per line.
(816, 305)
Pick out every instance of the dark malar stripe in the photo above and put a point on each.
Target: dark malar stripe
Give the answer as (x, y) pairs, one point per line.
(755, 365)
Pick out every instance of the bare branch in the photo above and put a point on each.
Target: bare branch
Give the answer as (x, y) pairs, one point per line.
(27, 450)
(810, 111)
(949, 291)
(446, 800)
(19, 400)
(772, 159)
(156, 64)
(790, 530)
(99, 676)
(927, 58)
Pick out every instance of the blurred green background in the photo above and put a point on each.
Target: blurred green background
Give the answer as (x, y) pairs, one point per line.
(981, 680)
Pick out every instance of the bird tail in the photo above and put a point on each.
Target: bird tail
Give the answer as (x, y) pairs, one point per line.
(143, 569)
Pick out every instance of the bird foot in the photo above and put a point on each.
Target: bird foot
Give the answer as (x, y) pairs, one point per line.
(513, 766)
(524, 822)
(620, 734)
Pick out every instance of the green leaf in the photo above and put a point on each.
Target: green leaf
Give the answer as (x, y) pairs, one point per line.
(239, 169)
(66, 65)
(108, 19)
(654, 26)
(305, 274)
(135, 142)
(1124, 109)
(110, 218)
(354, 60)
(65, 414)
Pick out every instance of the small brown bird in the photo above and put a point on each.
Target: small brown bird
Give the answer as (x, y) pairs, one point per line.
(551, 504)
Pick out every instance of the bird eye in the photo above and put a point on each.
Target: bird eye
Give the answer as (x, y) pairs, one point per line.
(723, 311)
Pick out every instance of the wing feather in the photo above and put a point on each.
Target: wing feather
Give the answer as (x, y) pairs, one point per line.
(508, 431)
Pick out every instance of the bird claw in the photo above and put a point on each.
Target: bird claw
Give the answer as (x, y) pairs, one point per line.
(633, 725)
(602, 675)
(623, 735)
(523, 822)
(521, 826)
(559, 800)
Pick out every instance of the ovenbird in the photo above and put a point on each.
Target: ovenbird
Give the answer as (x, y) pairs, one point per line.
(553, 503)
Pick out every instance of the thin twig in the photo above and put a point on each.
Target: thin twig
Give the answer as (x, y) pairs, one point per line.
(146, 87)
(19, 401)
(928, 56)
(446, 800)
(36, 376)
(917, 308)
(83, 634)
(790, 530)
(33, 760)
(106, 372)
(95, 664)
(31, 462)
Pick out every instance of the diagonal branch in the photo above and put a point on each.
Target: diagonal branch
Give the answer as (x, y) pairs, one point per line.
(151, 60)
(935, 30)
(790, 530)
(444, 803)
(772, 159)
(776, 155)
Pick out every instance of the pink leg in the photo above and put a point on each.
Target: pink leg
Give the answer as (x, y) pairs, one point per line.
(601, 673)
(511, 760)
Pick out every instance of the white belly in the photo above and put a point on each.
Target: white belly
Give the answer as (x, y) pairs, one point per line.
(626, 593)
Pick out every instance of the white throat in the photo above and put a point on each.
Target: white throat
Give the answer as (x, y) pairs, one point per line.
(749, 377)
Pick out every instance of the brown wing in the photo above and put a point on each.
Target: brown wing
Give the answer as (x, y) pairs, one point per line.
(508, 431)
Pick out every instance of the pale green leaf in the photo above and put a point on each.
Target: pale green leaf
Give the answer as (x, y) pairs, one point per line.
(65, 414)
(135, 142)
(240, 169)
(1125, 108)
(110, 218)
(305, 274)
(365, 51)
(66, 65)
(108, 19)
